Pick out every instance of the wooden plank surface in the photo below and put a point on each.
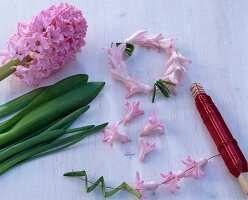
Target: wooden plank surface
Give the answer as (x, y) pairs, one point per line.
(212, 33)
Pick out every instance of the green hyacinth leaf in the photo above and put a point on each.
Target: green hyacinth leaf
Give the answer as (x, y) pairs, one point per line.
(48, 94)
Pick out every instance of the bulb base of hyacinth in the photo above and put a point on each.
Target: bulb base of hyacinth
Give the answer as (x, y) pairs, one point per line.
(10, 67)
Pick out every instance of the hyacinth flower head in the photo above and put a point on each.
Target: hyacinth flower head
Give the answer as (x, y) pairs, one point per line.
(44, 45)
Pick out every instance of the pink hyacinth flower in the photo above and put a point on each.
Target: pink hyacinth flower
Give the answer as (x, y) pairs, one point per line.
(17, 48)
(177, 57)
(194, 168)
(115, 54)
(134, 86)
(115, 59)
(120, 72)
(112, 134)
(151, 41)
(132, 111)
(52, 38)
(38, 43)
(137, 38)
(154, 126)
(145, 187)
(171, 179)
(174, 74)
(167, 44)
(145, 148)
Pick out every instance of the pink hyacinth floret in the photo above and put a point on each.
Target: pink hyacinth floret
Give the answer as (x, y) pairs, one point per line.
(177, 57)
(51, 39)
(145, 188)
(115, 59)
(132, 111)
(137, 37)
(167, 43)
(112, 134)
(194, 168)
(154, 126)
(172, 180)
(151, 41)
(134, 86)
(145, 148)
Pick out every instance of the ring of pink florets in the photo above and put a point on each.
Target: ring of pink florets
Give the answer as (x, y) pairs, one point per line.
(52, 38)
(175, 66)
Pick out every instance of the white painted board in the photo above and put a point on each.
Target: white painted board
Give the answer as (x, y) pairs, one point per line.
(212, 33)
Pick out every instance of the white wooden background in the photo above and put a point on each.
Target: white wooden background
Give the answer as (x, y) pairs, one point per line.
(212, 33)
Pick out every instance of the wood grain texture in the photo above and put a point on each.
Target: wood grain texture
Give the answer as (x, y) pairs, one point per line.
(212, 33)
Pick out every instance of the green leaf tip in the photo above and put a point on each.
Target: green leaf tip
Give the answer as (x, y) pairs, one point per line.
(101, 183)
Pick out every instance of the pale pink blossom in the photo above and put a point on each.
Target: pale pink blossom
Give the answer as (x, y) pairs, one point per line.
(112, 134)
(38, 43)
(172, 180)
(137, 38)
(41, 21)
(151, 41)
(173, 74)
(132, 111)
(56, 34)
(120, 72)
(17, 48)
(115, 54)
(29, 73)
(167, 44)
(145, 148)
(134, 86)
(194, 168)
(115, 59)
(154, 126)
(177, 57)
(145, 188)
(23, 29)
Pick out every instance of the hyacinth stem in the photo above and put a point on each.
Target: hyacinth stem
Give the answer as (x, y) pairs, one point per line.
(10, 67)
